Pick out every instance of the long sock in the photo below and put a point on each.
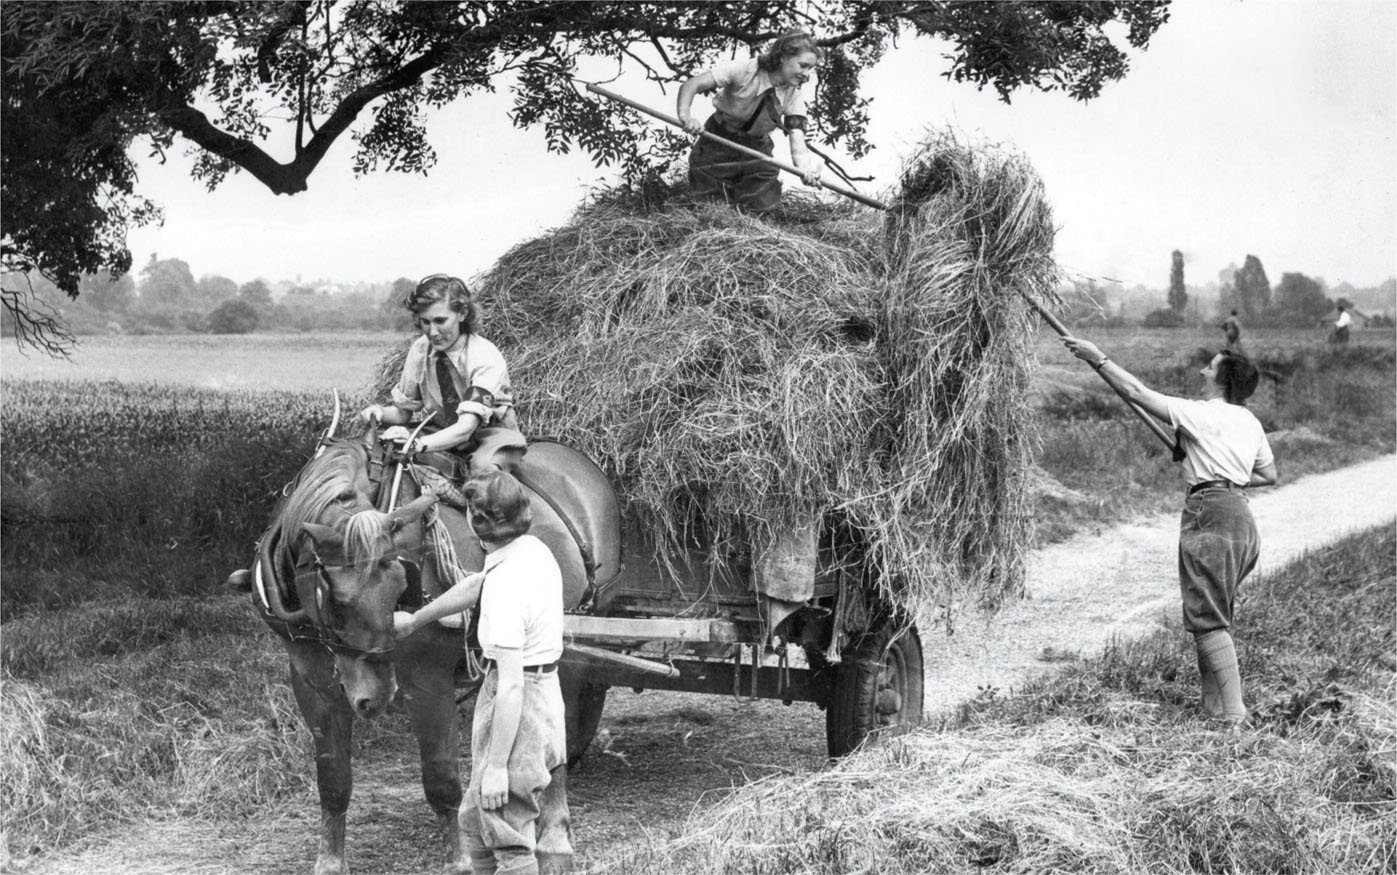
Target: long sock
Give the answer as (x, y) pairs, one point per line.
(1217, 655)
(1212, 702)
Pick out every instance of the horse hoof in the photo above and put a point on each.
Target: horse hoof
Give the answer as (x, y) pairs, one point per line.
(331, 866)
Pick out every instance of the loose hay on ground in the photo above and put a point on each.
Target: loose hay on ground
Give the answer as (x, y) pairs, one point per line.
(745, 374)
(149, 730)
(1136, 794)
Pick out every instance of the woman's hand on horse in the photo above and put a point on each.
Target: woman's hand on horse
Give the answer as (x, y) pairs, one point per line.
(494, 787)
(403, 624)
(371, 413)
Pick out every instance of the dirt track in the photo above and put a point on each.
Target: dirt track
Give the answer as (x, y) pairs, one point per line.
(659, 755)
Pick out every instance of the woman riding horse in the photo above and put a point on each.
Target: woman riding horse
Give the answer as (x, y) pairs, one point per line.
(458, 376)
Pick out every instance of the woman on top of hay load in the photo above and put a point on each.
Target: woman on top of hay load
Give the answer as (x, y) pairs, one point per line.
(457, 375)
(755, 97)
(1224, 451)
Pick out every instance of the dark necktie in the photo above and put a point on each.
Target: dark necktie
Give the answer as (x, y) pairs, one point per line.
(450, 398)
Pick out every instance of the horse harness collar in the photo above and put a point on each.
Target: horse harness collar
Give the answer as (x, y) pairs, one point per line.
(314, 628)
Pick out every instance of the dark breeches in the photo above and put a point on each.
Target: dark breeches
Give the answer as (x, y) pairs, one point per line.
(1218, 548)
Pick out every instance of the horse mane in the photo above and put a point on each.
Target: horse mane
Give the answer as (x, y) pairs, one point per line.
(328, 490)
(364, 537)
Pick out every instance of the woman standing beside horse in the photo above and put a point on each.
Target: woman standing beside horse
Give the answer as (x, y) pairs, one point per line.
(515, 817)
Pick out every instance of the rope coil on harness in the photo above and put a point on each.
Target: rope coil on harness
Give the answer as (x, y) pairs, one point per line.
(444, 553)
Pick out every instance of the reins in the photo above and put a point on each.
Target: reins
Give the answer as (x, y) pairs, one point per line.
(448, 565)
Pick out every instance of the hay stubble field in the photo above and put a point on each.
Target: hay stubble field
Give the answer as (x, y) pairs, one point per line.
(661, 758)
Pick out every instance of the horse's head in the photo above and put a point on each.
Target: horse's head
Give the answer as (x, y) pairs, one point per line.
(349, 580)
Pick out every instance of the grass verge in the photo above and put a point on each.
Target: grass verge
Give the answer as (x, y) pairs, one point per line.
(123, 711)
(1108, 766)
(115, 712)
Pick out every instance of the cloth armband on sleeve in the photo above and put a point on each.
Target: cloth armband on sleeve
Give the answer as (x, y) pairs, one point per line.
(481, 396)
(796, 123)
(478, 401)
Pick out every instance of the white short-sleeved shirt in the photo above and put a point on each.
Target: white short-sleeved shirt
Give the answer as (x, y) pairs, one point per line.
(521, 602)
(1225, 441)
(1344, 320)
(477, 362)
(741, 85)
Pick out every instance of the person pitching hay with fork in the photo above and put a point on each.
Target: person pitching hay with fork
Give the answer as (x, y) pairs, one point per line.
(457, 378)
(1224, 451)
(755, 97)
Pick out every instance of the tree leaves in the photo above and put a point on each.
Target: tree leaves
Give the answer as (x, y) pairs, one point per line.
(82, 80)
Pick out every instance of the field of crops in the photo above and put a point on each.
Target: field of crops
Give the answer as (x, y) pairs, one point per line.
(140, 480)
(223, 362)
(1149, 350)
(320, 362)
(110, 488)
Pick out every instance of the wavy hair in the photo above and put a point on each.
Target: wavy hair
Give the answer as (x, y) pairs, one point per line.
(499, 507)
(443, 287)
(788, 44)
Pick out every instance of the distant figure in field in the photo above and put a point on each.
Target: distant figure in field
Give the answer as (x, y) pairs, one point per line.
(1225, 450)
(1232, 329)
(455, 378)
(1341, 325)
(755, 97)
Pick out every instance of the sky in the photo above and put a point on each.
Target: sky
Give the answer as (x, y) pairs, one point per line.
(1265, 128)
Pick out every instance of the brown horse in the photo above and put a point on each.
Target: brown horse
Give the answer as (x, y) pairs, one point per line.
(331, 569)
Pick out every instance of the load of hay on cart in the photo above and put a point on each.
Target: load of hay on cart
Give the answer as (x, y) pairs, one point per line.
(815, 423)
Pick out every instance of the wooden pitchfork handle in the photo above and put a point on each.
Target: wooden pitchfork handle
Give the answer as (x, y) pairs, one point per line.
(736, 147)
(1154, 424)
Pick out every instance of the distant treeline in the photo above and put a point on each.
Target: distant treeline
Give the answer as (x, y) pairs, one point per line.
(165, 298)
(1296, 301)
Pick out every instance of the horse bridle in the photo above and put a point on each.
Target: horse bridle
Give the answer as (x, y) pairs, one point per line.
(324, 634)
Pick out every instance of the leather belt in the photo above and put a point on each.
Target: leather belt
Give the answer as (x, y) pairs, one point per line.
(529, 669)
(1211, 484)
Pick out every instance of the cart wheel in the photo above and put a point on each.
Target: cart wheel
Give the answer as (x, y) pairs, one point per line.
(877, 686)
(582, 706)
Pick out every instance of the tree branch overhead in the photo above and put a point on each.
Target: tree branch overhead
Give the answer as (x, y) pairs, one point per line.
(83, 80)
